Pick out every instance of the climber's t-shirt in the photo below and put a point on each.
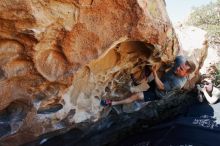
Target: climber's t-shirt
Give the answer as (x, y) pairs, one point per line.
(172, 82)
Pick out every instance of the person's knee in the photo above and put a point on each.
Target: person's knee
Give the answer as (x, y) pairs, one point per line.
(139, 96)
(132, 98)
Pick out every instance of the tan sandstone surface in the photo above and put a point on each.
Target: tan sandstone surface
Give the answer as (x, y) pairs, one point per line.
(58, 56)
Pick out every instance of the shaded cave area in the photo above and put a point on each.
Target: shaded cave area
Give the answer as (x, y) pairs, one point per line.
(133, 59)
(12, 117)
(113, 76)
(115, 129)
(113, 71)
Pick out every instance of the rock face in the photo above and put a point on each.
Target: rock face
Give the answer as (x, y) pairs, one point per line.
(112, 129)
(194, 46)
(57, 57)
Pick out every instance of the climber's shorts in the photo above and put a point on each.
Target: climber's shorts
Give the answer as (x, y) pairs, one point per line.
(150, 94)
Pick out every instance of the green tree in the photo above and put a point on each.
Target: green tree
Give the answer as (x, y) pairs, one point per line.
(207, 17)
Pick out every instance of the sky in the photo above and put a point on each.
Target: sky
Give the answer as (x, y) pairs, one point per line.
(180, 9)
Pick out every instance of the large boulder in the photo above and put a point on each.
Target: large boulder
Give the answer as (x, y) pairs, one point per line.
(194, 46)
(58, 57)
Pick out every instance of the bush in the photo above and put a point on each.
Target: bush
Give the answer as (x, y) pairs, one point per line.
(207, 17)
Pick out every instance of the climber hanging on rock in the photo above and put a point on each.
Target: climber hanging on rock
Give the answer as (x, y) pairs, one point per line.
(170, 83)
